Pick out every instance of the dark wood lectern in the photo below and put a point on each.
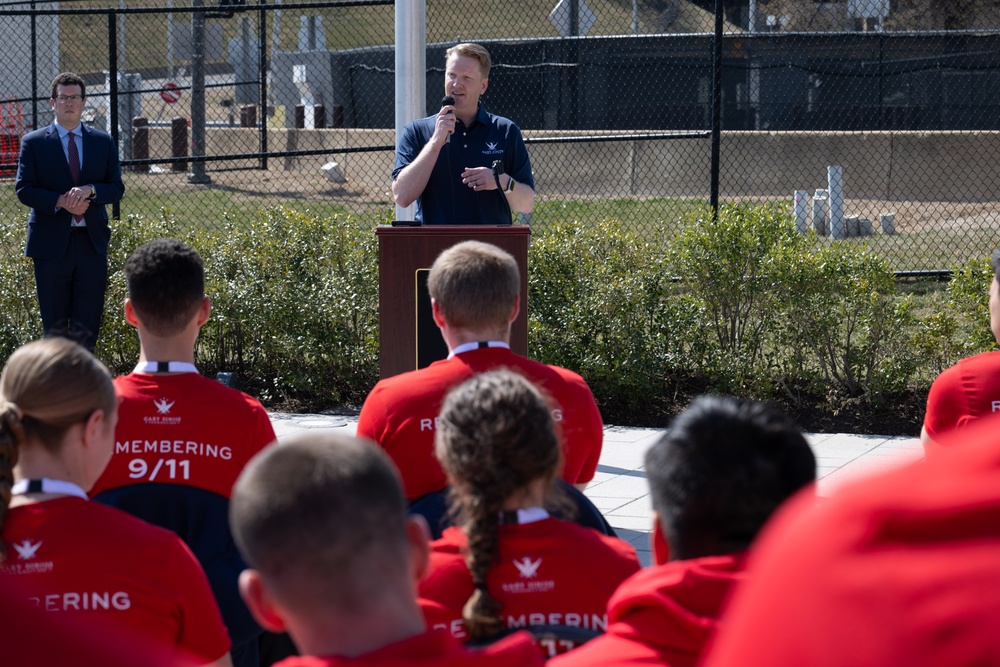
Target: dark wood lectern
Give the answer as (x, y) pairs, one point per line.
(404, 256)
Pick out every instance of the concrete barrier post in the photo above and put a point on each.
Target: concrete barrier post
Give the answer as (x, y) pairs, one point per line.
(140, 144)
(888, 223)
(179, 143)
(835, 184)
(820, 201)
(801, 211)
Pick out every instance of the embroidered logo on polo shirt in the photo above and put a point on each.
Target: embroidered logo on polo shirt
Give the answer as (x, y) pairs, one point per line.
(26, 563)
(527, 567)
(491, 148)
(162, 417)
(27, 549)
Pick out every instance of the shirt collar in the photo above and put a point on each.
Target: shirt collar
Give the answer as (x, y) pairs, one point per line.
(476, 345)
(63, 131)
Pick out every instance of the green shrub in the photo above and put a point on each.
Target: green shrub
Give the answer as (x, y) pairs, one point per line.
(968, 296)
(601, 302)
(295, 306)
(845, 318)
(19, 319)
(733, 268)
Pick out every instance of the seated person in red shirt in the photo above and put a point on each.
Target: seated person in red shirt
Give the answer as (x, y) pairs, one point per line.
(971, 388)
(77, 560)
(899, 570)
(475, 294)
(716, 476)
(182, 439)
(508, 563)
(322, 521)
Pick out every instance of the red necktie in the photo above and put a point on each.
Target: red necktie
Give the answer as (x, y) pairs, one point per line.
(74, 167)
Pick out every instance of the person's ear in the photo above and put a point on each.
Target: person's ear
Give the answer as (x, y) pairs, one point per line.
(204, 311)
(130, 315)
(418, 535)
(486, 84)
(259, 602)
(438, 315)
(517, 307)
(658, 542)
(92, 426)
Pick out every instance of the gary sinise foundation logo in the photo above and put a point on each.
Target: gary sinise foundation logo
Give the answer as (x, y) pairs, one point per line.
(26, 560)
(491, 148)
(528, 580)
(161, 415)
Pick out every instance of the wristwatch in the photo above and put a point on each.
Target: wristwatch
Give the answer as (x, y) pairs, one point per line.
(510, 185)
(93, 191)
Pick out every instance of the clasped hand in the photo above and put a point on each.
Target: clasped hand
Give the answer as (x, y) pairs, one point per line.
(75, 201)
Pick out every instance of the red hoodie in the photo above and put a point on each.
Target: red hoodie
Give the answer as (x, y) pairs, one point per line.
(663, 615)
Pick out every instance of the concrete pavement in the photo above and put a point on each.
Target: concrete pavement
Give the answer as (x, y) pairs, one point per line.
(619, 488)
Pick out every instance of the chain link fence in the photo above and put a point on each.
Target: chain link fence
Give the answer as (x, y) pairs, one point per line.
(872, 126)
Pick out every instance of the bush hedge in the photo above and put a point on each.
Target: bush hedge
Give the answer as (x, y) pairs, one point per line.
(740, 304)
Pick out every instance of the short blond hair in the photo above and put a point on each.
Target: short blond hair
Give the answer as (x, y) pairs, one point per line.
(475, 285)
(475, 51)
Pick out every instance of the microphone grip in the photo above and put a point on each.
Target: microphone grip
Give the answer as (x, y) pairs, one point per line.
(446, 101)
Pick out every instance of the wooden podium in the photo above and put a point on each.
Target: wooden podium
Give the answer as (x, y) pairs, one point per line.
(408, 337)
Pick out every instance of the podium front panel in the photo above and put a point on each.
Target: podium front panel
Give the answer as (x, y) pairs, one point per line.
(405, 251)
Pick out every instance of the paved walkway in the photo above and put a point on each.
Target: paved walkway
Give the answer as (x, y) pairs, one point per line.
(620, 491)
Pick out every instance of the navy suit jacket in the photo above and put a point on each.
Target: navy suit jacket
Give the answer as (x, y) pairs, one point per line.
(43, 175)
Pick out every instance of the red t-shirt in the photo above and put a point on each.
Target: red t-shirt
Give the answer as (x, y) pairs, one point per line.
(548, 572)
(663, 615)
(400, 414)
(898, 571)
(183, 429)
(77, 559)
(967, 391)
(436, 648)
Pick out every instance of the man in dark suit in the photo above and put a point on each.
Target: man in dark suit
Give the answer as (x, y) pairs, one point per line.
(67, 173)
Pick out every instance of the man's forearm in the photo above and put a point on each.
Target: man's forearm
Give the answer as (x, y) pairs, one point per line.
(411, 181)
(521, 198)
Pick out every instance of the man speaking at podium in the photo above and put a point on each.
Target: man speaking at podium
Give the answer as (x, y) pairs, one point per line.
(463, 165)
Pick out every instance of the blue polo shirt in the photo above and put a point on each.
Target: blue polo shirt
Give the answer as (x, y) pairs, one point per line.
(446, 200)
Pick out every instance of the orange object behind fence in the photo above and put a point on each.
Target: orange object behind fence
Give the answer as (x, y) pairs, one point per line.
(11, 131)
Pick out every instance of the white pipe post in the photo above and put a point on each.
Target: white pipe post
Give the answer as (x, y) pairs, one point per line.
(801, 211)
(835, 184)
(411, 73)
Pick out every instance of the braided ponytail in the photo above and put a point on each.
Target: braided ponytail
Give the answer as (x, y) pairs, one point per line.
(495, 437)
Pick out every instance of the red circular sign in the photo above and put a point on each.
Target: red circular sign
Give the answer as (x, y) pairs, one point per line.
(171, 93)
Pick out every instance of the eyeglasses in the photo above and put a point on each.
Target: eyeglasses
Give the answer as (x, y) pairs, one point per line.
(66, 99)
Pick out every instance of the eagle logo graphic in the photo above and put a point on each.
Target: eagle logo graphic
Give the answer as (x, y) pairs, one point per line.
(26, 549)
(527, 567)
(492, 146)
(163, 406)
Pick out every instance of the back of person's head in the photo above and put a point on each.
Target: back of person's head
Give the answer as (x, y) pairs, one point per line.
(474, 51)
(68, 79)
(166, 285)
(322, 518)
(475, 285)
(495, 437)
(995, 264)
(721, 470)
(46, 387)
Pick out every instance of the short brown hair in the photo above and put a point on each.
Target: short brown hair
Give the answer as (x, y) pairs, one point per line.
(475, 284)
(322, 517)
(995, 263)
(475, 51)
(68, 79)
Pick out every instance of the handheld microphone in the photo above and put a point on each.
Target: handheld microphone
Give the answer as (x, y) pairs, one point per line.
(448, 101)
